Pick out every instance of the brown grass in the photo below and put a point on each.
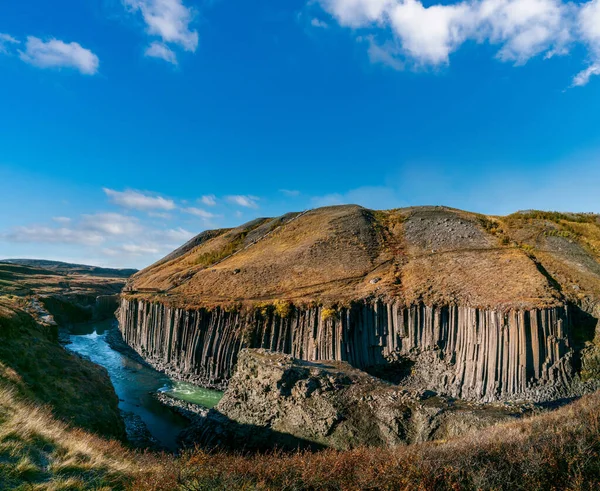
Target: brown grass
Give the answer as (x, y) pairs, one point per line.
(38, 452)
(560, 450)
(330, 255)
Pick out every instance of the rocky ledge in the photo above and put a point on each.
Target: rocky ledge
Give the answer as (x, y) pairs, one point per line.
(274, 399)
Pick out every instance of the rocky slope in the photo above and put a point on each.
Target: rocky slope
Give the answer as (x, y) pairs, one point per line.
(471, 306)
(273, 396)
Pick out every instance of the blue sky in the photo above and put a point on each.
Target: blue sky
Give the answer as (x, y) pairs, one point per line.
(119, 116)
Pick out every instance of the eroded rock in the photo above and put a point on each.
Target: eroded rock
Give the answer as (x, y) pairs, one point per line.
(276, 400)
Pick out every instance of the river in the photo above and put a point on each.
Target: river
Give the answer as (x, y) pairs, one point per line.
(135, 383)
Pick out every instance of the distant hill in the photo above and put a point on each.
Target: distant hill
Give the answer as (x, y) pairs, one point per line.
(68, 268)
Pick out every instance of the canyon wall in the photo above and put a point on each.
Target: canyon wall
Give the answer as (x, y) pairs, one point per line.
(464, 352)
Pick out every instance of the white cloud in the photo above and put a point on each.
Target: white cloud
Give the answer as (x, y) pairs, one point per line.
(589, 23)
(155, 214)
(246, 201)
(357, 13)
(111, 224)
(168, 19)
(90, 230)
(319, 23)
(199, 212)
(49, 235)
(5, 40)
(209, 200)
(589, 29)
(140, 249)
(139, 201)
(290, 192)
(58, 54)
(583, 77)
(131, 250)
(178, 235)
(162, 51)
(63, 220)
(386, 54)
(428, 35)
(126, 239)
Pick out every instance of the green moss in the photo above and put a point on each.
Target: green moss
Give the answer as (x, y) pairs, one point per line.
(283, 308)
(210, 258)
(554, 216)
(328, 313)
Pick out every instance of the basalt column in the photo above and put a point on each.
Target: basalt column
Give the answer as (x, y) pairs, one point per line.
(465, 352)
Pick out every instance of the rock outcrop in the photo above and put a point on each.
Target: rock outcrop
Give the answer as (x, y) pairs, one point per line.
(481, 308)
(273, 397)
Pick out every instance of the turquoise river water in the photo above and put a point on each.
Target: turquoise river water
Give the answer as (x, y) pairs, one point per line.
(135, 383)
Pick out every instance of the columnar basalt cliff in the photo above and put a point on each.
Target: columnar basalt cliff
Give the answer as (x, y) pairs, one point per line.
(459, 351)
(481, 308)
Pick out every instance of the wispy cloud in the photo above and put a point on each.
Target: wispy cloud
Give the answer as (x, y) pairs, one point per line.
(291, 193)
(583, 77)
(170, 20)
(5, 41)
(90, 229)
(58, 54)
(426, 35)
(319, 23)
(63, 220)
(178, 235)
(247, 201)
(162, 51)
(139, 201)
(48, 235)
(111, 224)
(158, 214)
(209, 199)
(199, 212)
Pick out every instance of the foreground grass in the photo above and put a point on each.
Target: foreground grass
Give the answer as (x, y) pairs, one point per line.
(41, 371)
(559, 450)
(38, 452)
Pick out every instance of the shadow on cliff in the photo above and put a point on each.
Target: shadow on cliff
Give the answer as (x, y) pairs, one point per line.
(583, 330)
(217, 432)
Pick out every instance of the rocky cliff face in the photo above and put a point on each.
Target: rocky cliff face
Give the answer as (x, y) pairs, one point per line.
(462, 352)
(273, 397)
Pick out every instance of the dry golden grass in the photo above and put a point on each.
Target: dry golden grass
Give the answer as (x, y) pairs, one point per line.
(27, 280)
(40, 453)
(559, 450)
(555, 451)
(428, 254)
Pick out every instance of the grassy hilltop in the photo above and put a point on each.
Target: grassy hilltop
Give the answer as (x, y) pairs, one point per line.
(434, 255)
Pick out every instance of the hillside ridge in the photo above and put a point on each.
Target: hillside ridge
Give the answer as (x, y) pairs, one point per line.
(435, 255)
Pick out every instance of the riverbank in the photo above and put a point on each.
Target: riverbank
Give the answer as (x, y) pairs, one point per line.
(150, 423)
